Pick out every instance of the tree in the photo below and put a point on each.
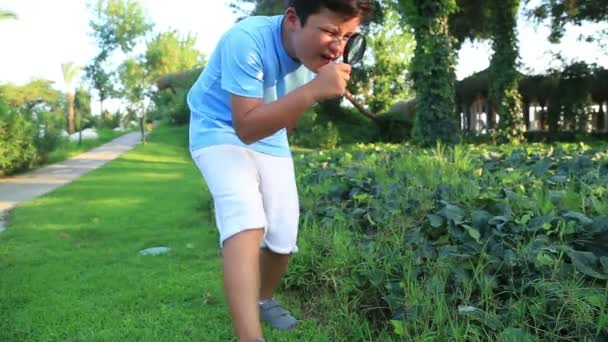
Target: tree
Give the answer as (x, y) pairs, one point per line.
(432, 70)
(70, 71)
(504, 93)
(117, 24)
(562, 12)
(36, 96)
(132, 76)
(386, 80)
(471, 20)
(82, 107)
(168, 53)
(100, 79)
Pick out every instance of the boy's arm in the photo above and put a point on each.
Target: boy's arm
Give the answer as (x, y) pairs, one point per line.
(253, 120)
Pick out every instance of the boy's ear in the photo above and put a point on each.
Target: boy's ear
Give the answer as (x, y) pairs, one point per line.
(291, 18)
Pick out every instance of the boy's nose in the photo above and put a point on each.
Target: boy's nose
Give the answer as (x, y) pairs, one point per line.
(337, 48)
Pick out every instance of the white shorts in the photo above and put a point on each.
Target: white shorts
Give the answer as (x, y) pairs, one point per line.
(252, 190)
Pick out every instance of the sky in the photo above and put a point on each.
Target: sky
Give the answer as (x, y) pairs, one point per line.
(49, 33)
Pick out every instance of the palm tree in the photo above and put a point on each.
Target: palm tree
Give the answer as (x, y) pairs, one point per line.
(7, 15)
(69, 73)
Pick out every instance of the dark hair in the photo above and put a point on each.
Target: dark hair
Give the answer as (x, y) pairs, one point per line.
(346, 8)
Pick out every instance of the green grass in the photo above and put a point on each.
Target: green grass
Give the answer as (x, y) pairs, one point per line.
(68, 149)
(70, 268)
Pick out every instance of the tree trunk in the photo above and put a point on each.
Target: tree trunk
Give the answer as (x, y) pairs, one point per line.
(71, 117)
(432, 71)
(504, 87)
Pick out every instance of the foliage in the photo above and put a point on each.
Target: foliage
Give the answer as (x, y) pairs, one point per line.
(33, 97)
(116, 24)
(471, 21)
(17, 149)
(311, 133)
(70, 71)
(463, 243)
(433, 70)
(383, 78)
(82, 107)
(172, 105)
(132, 76)
(100, 78)
(48, 138)
(119, 24)
(170, 99)
(562, 12)
(575, 96)
(504, 92)
(168, 53)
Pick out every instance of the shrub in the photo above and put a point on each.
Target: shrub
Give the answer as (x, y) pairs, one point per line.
(310, 133)
(171, 105)
(17, 149)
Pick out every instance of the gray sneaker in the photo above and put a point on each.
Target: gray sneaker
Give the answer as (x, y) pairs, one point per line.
(273, 313)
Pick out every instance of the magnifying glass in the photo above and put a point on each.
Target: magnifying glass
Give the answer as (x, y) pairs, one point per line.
(354, 49)
(353, 54)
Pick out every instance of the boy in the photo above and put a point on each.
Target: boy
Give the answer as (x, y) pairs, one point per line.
(258, 82)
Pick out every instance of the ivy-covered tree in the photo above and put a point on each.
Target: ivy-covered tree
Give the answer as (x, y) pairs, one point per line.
(504, 85)
(471, 20)
(433, 70)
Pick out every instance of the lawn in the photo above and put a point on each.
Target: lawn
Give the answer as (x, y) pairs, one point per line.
(71, 271)
(472, 243)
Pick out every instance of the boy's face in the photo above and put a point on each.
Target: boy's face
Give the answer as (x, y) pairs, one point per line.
(322, 39)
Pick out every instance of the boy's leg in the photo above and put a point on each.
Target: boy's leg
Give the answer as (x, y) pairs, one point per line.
(232, 178)
(280, 197)
(242, 283)
(272, 268)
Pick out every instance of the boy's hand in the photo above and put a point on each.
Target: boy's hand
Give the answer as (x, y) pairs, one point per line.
(330, 81)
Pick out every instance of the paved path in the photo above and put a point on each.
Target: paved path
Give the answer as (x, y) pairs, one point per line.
(21, 188)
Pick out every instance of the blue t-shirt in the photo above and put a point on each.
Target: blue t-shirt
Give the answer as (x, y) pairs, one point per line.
(251, 61)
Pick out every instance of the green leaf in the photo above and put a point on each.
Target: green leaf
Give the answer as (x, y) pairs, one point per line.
(474, 233)
(480, 218)
(476, 314)
(514, 335)
(580, 217)
(586, 263)
(397, 327)
(452, 212)
(541, 167)
(436, 220)
(557, 179)
(544, 259)
(604, 262)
